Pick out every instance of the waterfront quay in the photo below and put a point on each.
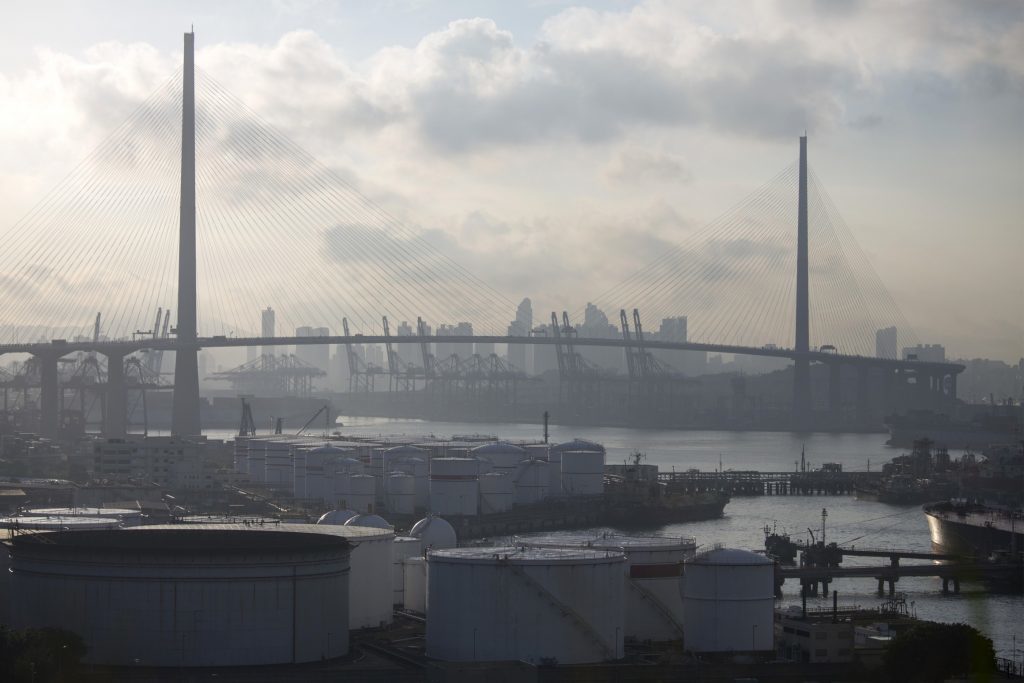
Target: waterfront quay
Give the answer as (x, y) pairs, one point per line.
(824, 482)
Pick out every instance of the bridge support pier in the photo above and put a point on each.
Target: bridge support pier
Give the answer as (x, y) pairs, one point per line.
(115, 412)
(49, 396)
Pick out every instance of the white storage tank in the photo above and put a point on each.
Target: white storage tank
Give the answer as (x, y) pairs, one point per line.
(555, 474)
(188, 595)
(241, 454)
(578, 445)
(537, 451)
(257, 460)
(361, 492)
(504, 456)
(372, 592)
(401, 493)
(392, 455)
(728, 601)
(435, 532)
(529, 604)
(454, 486)
(582, 473)
(654, 565)
(416, 467)
(402, 549)
(415, 592)
(497, 493)
(278, 464)
(314, 470)
(531, 482)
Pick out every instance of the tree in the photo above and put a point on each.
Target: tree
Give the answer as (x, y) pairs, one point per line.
(934, 652)
(42, 655)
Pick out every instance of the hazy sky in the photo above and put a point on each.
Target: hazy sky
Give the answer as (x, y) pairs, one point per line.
(555, 144)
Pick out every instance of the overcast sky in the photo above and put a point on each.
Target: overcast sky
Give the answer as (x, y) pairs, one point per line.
(569, 140)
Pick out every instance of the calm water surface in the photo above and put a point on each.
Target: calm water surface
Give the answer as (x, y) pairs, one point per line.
(849, 521)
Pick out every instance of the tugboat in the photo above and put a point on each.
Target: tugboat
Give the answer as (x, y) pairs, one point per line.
(778, 545)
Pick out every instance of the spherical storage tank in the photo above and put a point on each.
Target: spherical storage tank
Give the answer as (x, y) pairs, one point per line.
(188, 596)
(531, 482)
(654, 564)
(336, 517)
(529, 604)
(435, 532)
(582, 473)
(497, 493)
(454, 486)
(728, 601)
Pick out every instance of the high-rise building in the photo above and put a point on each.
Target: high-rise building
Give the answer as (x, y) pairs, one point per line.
(521, 327)
(317, 355)
(408, 353)
(676, 329)
(268, 331)
(885, 343)
(596, 326)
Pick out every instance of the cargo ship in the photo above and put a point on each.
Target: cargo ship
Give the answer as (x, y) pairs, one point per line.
(975, 528)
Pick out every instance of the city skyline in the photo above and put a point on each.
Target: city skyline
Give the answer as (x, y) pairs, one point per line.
(637, 182)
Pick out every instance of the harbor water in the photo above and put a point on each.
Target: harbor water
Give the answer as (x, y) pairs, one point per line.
(863, 524)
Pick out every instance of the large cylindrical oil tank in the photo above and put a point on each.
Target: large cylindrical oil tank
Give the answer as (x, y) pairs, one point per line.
(361, 494)
(578, 445)
(728, 601)
(582, 473)
(278, 464)
(241, 454)
(529, 604)
(317, 469)
(654, 564)
(415, 591)
(402, 549)
(370, 599)
(555, 474)
(417, 467)
(537, 451)
(531, 482)
(391, 455)
(454, 486)
(497, 493)
(257, 460)
(188, 595)
(401, 493)
(504, 456)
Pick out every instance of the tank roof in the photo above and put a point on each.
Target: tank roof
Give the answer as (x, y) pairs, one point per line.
(607, 541)
(497, 447)
(176, 539)
(578, 445)
(58, 522)
(330, 449)
(730, 556)
(83, 512)
(524, 555)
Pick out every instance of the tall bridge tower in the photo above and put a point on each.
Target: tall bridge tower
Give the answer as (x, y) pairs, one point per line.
(802, 366)
(185, 413)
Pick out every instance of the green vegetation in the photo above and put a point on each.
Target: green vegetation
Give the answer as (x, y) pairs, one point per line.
(934, 652)
(45, 655)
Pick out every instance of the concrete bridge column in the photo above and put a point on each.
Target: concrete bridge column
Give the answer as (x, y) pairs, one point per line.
(115, 414)
(49, 396)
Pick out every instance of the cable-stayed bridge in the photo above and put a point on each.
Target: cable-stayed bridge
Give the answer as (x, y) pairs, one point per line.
(196, 202)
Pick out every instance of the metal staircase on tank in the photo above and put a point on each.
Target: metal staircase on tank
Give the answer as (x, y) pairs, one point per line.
(582, 624)
(659, 607)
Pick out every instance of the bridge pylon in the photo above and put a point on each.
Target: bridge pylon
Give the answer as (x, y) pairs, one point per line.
(185, 411)
(802, 366)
